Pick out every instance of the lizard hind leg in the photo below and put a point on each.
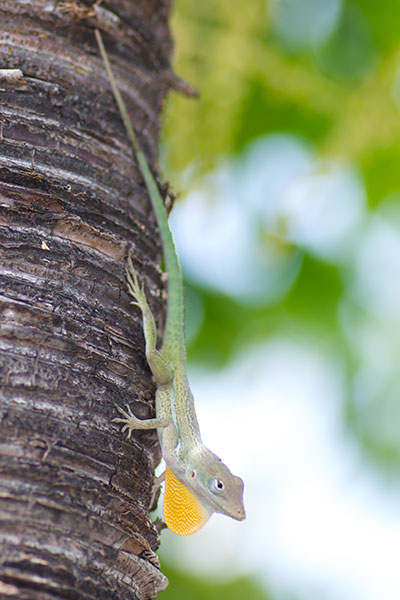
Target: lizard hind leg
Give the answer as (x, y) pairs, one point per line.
(158, 364)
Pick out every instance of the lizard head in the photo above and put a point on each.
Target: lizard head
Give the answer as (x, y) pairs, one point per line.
(207, 487)
(215, 486)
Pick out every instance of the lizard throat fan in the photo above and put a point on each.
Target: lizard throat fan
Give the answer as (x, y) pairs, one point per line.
(183, 513)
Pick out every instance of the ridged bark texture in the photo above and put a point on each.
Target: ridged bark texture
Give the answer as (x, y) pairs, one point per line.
(74, 491)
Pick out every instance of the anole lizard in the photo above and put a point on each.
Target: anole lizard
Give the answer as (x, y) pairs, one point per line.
(197, 482)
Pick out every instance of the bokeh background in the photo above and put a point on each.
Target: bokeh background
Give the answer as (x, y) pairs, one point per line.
(288, 229)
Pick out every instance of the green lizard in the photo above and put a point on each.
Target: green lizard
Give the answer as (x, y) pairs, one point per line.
(197, 482)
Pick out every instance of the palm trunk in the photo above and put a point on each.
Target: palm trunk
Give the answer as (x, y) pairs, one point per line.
(74, 491)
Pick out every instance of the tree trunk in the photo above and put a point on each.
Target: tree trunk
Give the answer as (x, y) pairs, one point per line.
(74, 491)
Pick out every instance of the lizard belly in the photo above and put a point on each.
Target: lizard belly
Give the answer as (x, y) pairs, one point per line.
(169, 443)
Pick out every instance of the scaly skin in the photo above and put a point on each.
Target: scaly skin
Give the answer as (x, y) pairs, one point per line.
(197, 482)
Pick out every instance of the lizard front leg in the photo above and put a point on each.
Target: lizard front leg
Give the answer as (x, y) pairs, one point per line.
(130, 422)
(158, 481)
(158, 365)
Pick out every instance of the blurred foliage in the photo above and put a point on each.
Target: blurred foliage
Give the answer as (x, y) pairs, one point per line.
(184, 587)
(228, 326)
(340, 93)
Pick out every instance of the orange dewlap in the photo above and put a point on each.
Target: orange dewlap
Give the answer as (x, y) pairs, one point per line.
(183, 513)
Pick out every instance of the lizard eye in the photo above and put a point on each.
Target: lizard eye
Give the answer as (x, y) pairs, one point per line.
(216, 486)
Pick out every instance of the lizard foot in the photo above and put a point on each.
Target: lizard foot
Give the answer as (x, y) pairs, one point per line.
(135, 289)
(130, 422)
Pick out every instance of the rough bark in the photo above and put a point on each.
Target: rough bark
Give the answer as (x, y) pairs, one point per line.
(74, 491)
